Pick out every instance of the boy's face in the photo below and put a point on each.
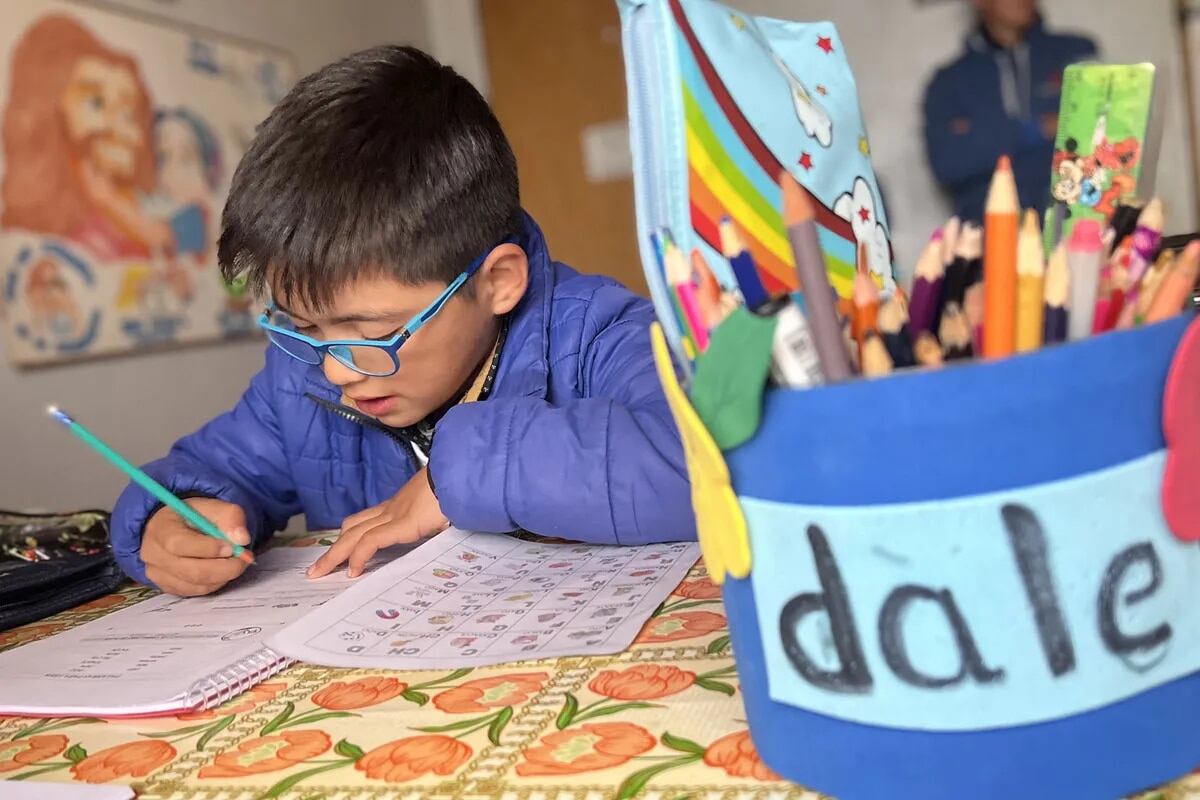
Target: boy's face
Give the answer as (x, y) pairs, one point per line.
(439, 359)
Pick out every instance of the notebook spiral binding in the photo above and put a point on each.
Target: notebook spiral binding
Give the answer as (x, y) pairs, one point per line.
(215, 689)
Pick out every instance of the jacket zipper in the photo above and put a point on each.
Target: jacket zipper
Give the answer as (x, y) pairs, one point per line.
(359, 418)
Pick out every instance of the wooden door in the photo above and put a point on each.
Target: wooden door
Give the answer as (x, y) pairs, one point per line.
(555, 69)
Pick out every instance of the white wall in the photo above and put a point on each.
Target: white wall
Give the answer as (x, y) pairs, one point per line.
(894, 45)
(142, 403)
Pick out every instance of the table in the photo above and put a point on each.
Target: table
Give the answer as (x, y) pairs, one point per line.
(662, 720)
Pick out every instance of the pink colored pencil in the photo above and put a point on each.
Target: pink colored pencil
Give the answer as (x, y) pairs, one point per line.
(680, 277)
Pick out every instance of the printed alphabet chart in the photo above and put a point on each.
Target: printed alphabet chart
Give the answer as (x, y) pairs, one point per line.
(474, 599)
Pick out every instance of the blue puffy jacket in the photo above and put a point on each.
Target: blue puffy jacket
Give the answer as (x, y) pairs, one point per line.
(990, 101)
(575, 440)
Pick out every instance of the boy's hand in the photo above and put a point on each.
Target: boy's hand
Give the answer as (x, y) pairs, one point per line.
(183, 561)
(411, 514)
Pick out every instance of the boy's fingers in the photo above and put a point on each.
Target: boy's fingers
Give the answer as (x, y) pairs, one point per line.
(378, 538)
(335, 555)
(206, 571)
(173, 585)
(354, 520)
(187, 543)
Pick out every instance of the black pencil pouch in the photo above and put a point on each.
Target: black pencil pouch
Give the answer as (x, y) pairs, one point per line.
(52, 562)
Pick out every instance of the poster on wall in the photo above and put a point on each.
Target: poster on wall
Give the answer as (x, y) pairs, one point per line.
(119, 138)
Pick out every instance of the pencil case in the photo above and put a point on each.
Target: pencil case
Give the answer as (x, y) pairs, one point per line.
(970, 582)
(52, 562)
(720, 103)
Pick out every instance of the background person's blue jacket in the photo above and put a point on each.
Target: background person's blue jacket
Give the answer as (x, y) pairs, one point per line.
(575, 440)
(990, 101)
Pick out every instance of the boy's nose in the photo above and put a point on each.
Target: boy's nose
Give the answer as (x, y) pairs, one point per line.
(338, 373)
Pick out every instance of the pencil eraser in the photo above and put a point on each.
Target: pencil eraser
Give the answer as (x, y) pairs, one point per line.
(1086, 236)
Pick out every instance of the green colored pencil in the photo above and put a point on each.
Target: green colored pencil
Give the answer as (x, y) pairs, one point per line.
(160, 492)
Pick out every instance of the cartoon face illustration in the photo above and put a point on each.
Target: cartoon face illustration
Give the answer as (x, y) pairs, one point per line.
(1089, 192)
(1068, 185)
(77, 142)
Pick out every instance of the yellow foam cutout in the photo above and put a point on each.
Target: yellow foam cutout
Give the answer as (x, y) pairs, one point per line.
(719, 520)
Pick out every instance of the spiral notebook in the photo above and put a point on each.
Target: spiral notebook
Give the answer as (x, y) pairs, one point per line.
(167, 654)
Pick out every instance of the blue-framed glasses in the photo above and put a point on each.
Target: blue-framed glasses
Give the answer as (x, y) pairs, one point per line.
(374, 357)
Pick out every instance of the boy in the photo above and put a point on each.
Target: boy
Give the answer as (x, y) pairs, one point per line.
(429, 364)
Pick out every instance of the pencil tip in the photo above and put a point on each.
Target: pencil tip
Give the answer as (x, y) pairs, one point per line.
(796, 206)
(1003, 164)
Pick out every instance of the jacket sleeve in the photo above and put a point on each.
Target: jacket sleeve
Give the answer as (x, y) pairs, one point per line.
(238, 458)
(606, 468)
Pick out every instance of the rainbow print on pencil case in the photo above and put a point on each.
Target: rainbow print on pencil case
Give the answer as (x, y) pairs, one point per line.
(732, 171)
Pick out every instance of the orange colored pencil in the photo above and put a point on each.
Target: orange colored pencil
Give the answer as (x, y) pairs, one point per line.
(1001, 222)
(1177, 285)
(866, 305)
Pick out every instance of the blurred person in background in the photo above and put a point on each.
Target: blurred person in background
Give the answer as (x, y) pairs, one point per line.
(1000, 96)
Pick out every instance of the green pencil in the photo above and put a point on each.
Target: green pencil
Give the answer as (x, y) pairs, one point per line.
(160, 492)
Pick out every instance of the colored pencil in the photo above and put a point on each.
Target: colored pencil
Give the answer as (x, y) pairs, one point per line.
(895, 328)
(1151, 283)
(1108, 281)
(1145, 240)
(708, 291)
(954, 333)
(875, 358)
(927, 350)
(1000, 262)
(659, 243)
(866, 304)
(1057, 295)
(1120, 290)
(744, 268)
(1177, 285)
(810, 269)
(1085, 255)
(949, 235)
(156, 489)
(974, 311)
(927, 285)
(679, 276)
(1031, 272)
(967, 251)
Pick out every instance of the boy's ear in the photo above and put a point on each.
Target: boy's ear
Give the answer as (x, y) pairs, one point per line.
(505, 275)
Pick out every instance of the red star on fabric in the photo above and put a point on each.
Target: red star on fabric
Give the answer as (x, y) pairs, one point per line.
(821, 90)
(825, 43)
(863, 213)
(806, 161)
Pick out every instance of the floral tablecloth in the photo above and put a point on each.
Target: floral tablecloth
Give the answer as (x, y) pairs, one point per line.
(662, 720)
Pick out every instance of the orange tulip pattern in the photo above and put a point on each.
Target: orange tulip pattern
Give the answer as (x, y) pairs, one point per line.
(407, 759)
(597, 745)
(362, 693)
(680, 625)
(642, 682)
(736, 755)
(268, 754)
(700, 589)
(23, 752)
(485, 694)
(130, 760)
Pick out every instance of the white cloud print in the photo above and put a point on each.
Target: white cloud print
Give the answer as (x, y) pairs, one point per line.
(858, 208)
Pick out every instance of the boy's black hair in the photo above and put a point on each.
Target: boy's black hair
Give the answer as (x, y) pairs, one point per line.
(383, 163)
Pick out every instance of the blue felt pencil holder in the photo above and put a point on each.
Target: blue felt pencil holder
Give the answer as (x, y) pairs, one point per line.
(961, 583)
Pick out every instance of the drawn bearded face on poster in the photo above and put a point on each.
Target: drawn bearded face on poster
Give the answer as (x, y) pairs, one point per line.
(77, 142)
